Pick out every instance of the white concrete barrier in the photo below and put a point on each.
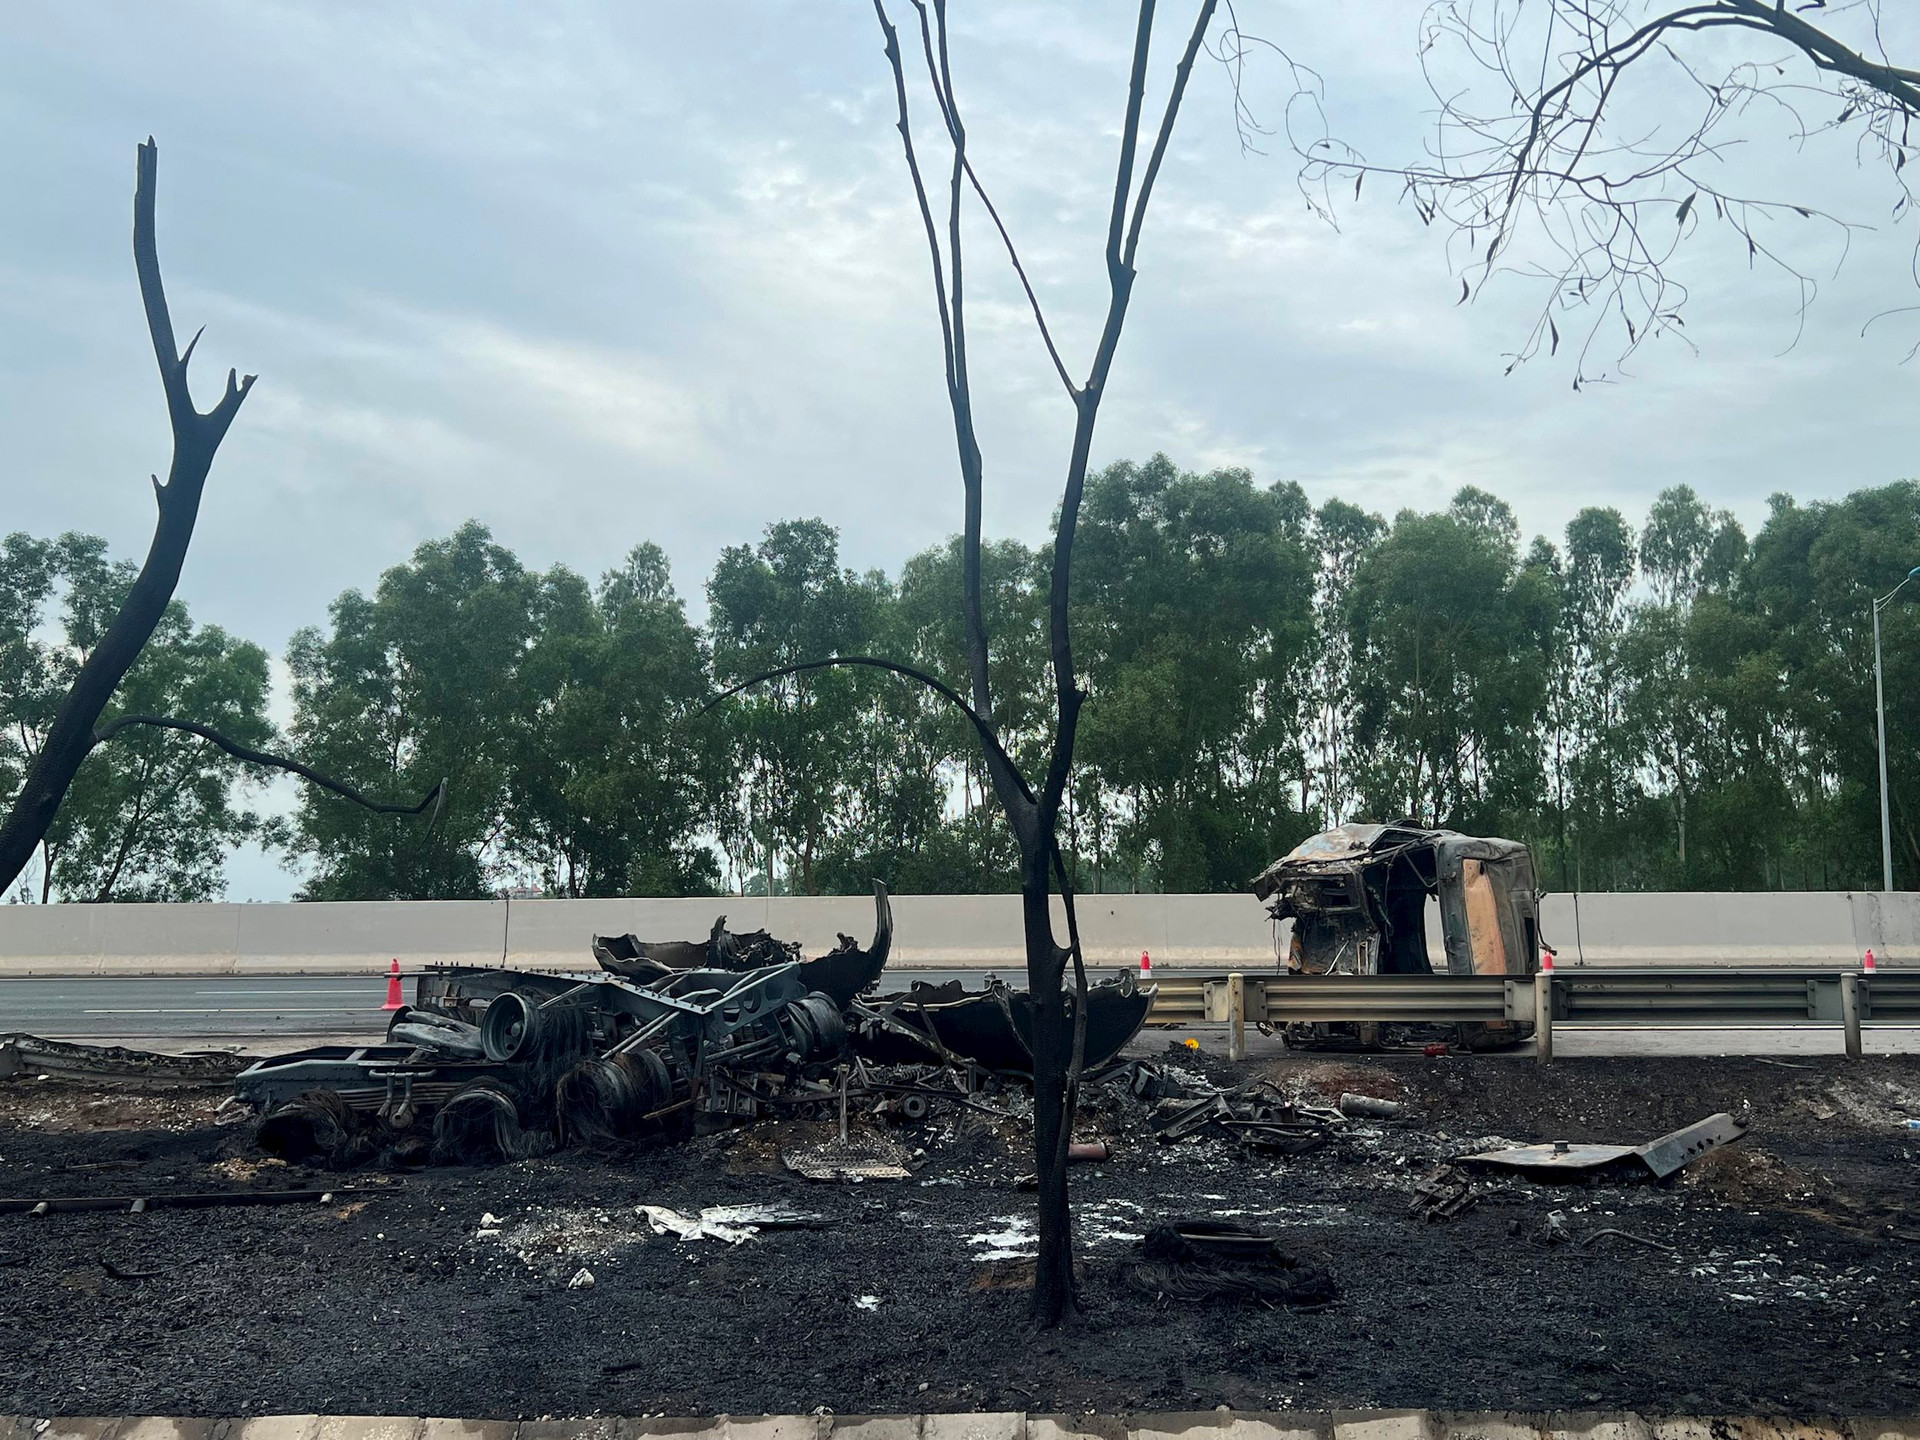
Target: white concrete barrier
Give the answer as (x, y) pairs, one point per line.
(1210, 932)
(361, 935)
(1825, 928)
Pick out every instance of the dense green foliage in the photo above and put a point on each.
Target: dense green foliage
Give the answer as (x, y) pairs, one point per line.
(552, 711)
(1660, 705)
(151, 815)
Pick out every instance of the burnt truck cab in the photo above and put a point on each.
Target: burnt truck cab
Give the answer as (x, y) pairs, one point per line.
(1357, 896)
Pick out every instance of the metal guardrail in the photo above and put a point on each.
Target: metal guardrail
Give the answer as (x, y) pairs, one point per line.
(1733, 997)
(1613, 999)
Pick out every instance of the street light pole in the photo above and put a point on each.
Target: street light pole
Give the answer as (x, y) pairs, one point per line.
(1880, 715)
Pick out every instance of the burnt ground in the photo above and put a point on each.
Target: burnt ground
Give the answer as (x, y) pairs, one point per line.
(1790, 1286)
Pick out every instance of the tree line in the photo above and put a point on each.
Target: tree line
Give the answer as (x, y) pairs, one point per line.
(1654, 703)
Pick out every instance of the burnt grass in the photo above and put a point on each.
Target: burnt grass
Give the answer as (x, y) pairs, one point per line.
(1789, 1287)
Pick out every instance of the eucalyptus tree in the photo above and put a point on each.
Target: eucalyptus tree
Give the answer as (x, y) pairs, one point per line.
(414, 685)
(1812, 571)
(1343, 535)
(1193, 608)
(1602, 562)
(607, 788)
(785, 600)
(145, 818)
(1450, 631)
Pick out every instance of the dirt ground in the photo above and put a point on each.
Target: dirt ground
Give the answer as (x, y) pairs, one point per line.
(1789, 1284)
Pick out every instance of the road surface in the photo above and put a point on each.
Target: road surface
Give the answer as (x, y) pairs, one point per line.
(161, 1009)
(222, 1007)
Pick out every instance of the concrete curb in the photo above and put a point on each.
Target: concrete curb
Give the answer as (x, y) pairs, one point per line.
(1219, 1424)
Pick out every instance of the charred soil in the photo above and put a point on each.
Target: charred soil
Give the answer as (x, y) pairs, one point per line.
(1788, 1284)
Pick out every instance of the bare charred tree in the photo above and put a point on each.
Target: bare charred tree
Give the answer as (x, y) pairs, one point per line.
(1581, 143)
(196, 439)
(1032, 804)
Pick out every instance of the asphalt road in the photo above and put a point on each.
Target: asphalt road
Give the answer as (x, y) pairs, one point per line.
(161, 1009)
(220, 1007)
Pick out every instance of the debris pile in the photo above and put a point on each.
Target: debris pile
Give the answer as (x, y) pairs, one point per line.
(1257, 1117)
(1200, 1260)
(491, 1065)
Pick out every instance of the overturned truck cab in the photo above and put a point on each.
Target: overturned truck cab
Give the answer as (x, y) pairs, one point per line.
(1357, 896)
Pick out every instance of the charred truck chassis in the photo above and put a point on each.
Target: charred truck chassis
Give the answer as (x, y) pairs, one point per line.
(617, 1055)
(1357, 898)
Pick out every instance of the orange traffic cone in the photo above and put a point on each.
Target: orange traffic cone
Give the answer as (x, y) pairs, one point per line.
(1146, 966)
(1868, 967)
(1546, 961)
(395, 1000)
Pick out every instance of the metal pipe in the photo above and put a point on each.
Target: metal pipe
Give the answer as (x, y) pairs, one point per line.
(1543, 1017)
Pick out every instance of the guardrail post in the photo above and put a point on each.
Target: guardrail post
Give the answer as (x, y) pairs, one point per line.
(1236, 1016)
(1543, 1016)
(1850, 1011)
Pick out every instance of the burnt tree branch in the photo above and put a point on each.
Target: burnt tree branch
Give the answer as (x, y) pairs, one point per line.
(941, 75)
(1122, 243)
(434, 798)
(1530, 151)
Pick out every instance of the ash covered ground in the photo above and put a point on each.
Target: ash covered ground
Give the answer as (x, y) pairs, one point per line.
(1789, 1284)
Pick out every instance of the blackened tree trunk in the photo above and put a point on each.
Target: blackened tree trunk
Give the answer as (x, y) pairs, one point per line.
(196, 439)
(1033, 811)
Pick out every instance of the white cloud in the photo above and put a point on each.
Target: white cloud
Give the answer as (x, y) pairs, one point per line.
(617, 399)
(600, 273)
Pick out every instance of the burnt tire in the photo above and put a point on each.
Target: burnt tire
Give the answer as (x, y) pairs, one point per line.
(814, 1027)
(606, 1101)
(480, 1125)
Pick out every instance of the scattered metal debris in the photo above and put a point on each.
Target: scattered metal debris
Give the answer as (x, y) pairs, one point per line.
(1258, 1117)
(1661, 1157)
(1369, 1107)
(1627, 1235)
(114, 1065)
(138, 1204)
(860, 1157)
(731, 1223)
(1444, 1195)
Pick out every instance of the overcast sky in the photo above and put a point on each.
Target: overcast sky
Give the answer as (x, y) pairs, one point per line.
(603, 273)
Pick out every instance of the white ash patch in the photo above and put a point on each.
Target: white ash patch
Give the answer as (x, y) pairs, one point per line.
(1768, 1279)
(557, 1239)
(1014, 1240)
